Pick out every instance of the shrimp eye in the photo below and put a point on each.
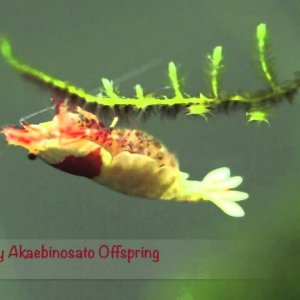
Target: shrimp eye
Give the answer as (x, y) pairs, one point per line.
(31, 156)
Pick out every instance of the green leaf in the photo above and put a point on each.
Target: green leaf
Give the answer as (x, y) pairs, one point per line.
(198, 109)
(215, 67)
(258, 115)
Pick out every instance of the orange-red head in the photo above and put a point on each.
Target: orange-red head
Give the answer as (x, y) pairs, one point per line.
(70, 142)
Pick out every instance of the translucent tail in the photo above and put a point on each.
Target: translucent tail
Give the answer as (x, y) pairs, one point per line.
(216, 187)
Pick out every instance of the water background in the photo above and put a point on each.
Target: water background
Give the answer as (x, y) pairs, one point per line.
(82, 41)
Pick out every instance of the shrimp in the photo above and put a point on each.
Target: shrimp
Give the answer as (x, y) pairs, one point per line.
(129, 161)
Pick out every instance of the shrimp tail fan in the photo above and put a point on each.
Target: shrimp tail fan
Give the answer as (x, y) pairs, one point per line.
(217, 187)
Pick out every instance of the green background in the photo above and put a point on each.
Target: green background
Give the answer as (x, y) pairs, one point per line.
(81, 41)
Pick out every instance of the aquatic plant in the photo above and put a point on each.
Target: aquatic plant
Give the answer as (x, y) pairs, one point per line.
(257, 105)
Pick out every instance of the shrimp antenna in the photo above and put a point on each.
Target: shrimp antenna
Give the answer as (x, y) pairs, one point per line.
(24, 120)
(131, 74)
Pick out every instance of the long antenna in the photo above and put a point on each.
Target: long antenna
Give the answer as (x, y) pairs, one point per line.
(23, 120)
